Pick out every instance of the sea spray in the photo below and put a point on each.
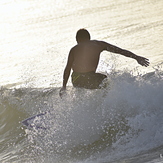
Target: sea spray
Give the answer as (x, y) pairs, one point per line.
(125, 119)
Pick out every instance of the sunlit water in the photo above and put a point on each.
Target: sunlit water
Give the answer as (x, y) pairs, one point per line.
(122, 123)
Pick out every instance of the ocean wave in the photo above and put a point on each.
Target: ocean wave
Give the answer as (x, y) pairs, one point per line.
(124, 119)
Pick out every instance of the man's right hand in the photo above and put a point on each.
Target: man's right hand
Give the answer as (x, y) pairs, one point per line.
(62, 92)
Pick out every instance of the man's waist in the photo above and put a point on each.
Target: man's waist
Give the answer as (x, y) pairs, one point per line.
(83, 73)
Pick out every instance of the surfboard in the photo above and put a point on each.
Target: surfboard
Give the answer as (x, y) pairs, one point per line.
(35, 121)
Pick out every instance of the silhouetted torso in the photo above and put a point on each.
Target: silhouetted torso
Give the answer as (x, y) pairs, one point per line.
(86, 55)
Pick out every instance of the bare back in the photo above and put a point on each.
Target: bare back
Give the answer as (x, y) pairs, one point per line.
(86, 56)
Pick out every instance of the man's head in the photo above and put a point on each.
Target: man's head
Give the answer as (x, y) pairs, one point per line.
(82, 35)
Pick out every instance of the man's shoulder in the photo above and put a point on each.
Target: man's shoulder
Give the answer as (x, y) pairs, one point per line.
(74, 47)
(101, 44)
(97, 42)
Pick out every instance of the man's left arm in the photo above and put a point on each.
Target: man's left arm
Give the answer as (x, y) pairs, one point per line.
(141, 60)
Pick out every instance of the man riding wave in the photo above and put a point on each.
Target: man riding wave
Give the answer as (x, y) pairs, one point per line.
(84, 57)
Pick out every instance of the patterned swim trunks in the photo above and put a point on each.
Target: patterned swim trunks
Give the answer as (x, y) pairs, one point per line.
(88, 80)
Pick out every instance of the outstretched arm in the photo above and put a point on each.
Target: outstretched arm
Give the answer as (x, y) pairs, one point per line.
(66, 73)
(141, 60)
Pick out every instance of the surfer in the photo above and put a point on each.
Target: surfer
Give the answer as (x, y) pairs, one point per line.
(83, 59)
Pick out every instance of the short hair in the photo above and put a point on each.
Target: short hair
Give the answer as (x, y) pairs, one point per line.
(82, 35)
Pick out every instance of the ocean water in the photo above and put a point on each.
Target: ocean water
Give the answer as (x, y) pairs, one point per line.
(120, 124)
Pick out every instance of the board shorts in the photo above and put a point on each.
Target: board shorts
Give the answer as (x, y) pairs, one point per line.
(88, 80)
